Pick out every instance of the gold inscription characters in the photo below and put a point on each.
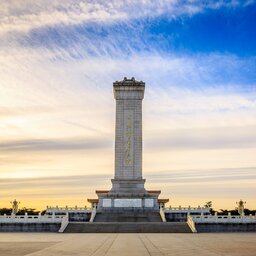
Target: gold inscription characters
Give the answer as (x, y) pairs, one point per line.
(128, 141)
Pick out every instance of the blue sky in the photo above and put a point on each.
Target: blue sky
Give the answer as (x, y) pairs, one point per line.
(58, 60)
(223, 38)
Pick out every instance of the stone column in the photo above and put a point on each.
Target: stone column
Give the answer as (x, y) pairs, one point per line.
(128, 185)
(129, 94)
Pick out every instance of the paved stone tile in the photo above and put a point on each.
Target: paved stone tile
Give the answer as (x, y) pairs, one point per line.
(22, 248)
(128, 244)
(44, 244)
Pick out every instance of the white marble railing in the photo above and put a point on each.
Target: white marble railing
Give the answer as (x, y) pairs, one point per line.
(56, 209)
(94, 212)
(223, 219)
(31, 218)
(191, 224)
(64, 223)
(162, 214)
(187, 209)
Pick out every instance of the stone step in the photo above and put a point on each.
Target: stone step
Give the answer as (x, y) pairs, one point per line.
(119, 227)
(127, 217)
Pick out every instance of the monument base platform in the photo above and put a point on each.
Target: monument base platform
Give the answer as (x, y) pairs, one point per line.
(127, 215)
(124, 199)
(128, 227)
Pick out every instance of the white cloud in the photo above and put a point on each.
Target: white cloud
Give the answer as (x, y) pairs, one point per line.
(199, 110)
(41, 95)
(25, 15)
(187, 187)
(47, 94)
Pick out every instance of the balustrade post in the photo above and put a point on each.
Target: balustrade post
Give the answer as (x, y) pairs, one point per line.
(201, 216)
(216, 216)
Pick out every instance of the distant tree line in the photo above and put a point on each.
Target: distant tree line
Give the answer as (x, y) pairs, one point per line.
(22, 211)
(225, 211)
(235, 212)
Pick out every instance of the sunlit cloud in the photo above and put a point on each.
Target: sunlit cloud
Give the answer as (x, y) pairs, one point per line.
(74, 190)
(16, 16)
(57, 112)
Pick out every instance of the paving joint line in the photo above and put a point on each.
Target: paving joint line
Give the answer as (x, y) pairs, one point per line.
(98, 248)
(154, 245)
(147, 247)
(111, 244)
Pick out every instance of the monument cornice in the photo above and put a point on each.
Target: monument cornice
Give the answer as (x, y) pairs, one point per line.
(129, 82)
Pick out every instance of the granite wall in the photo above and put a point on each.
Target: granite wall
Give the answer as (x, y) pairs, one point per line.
(29, 227)
(225, 227)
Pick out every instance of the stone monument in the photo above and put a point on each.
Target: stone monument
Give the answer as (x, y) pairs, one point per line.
(128, 191)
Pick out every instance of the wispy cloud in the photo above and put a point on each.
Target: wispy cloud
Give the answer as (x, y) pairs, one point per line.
(58, 61)
(24, 16)
(208, 138)
(58, 144)
(206, 185)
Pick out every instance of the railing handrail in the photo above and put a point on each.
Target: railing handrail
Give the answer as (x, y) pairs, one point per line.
(191, 224)
(67, 208)
(223, 218)
(187, 209)
(30, 218)
(64, 223)
(93, 214)
(162, 214)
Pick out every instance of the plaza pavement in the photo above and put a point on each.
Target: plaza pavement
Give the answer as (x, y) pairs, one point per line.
(51, 244)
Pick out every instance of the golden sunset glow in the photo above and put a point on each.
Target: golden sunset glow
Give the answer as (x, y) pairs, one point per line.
(57, 110)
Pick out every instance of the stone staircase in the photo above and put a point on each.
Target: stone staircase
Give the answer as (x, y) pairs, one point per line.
(128, 227)
(127, 221)
(128, 216)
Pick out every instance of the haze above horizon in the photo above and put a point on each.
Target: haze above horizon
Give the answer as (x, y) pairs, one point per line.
(58, 60)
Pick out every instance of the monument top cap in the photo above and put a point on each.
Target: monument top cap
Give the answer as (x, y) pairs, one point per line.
(129, 82)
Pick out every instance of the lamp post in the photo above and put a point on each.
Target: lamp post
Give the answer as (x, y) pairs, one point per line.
(15, 206)
(240, 207)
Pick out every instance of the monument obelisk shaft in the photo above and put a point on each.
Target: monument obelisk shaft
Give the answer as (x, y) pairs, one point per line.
(128, 135)
(128, 184)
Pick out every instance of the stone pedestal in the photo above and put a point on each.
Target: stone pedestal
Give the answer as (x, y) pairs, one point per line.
(127, 200)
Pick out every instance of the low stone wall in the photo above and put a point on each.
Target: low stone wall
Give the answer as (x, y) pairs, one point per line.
(29, 227)
(225, 227)
(128, 227)
(176, 217)
(179, 216)
(79, 216)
